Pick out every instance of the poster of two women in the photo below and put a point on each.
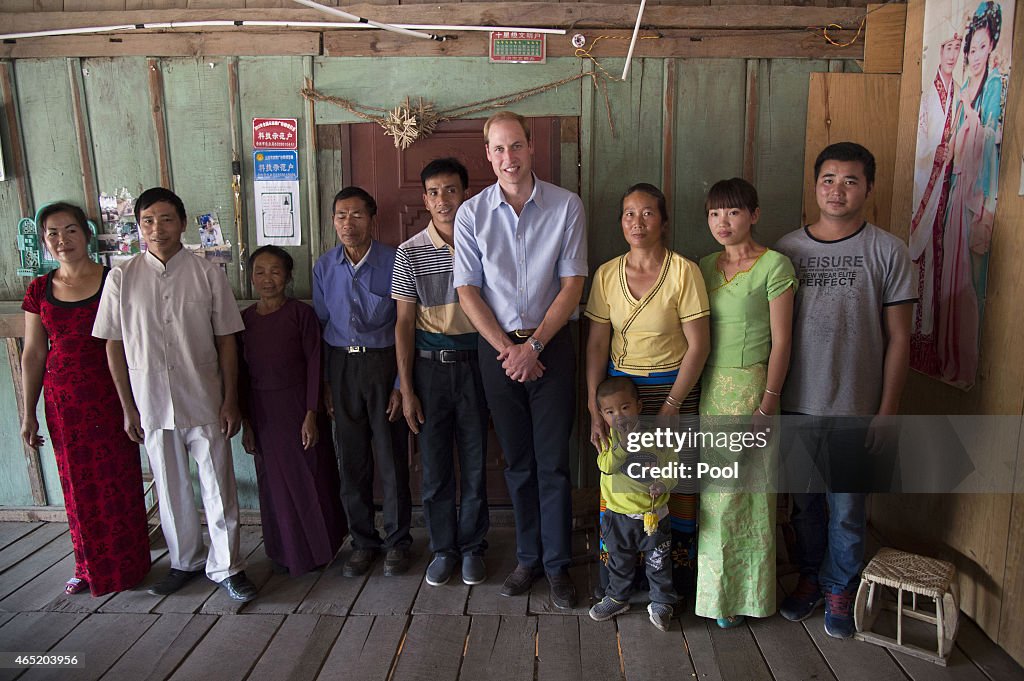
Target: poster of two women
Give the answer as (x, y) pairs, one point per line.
(965, 70)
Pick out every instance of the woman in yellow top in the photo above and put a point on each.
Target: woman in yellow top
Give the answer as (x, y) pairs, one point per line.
(751, 289)
(648, 313)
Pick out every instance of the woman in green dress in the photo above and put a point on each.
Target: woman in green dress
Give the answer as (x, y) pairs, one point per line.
(751, 290)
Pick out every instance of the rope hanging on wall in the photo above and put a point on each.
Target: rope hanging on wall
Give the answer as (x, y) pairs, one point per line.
(409, 122)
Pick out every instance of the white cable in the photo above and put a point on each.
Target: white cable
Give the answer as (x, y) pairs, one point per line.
(68, 31)
(632, 42)
(421, 27)
(387, 27)
(279, 24)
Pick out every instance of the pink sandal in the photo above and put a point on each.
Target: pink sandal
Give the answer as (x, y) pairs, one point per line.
(75, 586)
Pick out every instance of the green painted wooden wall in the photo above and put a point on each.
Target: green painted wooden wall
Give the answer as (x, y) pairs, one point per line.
(681, 124)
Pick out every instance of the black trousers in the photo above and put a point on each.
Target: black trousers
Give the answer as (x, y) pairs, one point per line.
(534, 423)
(623, 537)
(361, 385)
(455, 416)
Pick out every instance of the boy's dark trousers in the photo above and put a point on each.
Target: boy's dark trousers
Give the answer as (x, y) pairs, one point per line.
(623, 537)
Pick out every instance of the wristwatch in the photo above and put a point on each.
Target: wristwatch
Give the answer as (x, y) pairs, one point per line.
(535, 345)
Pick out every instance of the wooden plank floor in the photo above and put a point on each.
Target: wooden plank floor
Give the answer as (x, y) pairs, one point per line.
(324, 626)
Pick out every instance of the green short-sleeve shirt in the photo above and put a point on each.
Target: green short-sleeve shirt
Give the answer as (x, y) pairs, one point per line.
(741, 333)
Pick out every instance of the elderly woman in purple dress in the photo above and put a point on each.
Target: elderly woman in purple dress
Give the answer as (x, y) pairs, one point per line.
(300, 506)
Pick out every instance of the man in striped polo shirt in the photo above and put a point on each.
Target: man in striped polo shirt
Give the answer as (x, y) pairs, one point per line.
(442, 393)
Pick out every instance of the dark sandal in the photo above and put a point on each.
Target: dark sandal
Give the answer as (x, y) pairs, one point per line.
(75, 586)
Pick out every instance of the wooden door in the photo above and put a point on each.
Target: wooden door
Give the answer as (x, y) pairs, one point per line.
(393, 178)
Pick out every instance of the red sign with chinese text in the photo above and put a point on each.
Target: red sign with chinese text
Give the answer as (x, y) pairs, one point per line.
(274, 133)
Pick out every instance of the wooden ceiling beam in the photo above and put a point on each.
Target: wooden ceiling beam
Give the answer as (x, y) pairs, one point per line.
(527, 14)
(750, 44)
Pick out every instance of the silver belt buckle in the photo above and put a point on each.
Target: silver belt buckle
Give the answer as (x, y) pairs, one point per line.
(447, 356)
(354, 349)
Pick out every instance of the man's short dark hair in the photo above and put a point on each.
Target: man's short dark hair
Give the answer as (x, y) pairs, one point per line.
(846, 152)
(617, 384)
(357, 193)
(444, 166)
(156, 195)
(76, 213)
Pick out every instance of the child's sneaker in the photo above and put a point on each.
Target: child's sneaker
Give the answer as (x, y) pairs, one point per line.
(838, 620)
(804, 600)
(607, 609)
(661, 615)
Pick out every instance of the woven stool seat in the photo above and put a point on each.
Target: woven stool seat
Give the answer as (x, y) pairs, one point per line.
(902, 570)
(919, 576)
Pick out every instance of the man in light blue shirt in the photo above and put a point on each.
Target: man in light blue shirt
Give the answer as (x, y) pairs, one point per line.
(520, 262)
(352, 298)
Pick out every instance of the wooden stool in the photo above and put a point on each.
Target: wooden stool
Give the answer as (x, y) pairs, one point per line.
(920, 576)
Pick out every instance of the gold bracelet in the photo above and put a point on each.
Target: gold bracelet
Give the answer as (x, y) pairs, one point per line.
(772, 392)
(672, 402)
(762, 412)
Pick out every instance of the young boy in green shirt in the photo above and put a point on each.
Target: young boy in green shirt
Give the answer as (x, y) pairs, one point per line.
(632, 490)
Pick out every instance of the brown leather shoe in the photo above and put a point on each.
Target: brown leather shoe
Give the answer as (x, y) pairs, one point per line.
(358, 564)
(518, 581)
(396, 561)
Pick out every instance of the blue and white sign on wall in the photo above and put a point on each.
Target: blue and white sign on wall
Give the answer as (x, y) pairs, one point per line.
(275, 165)
(276, 185)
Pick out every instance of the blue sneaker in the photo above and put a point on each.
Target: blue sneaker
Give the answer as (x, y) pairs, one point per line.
(660, 615)
(730, 621)
(607, 609)
(441, 568)
(804, 600)
(473, 570)
(838, 619)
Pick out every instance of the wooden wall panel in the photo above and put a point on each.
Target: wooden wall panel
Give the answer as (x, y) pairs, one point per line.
(121, 124)
(12, 287)
(635, 146)
(1005, 273)
(969, 530)
(155, 4)
(199, 137)
(883, 38)
(711, 117)
(271, 87)
(15, 489)
(982, 533)
(1011, 634)
(51, 147)
(456, 81)
(781, 87)
(861, 108)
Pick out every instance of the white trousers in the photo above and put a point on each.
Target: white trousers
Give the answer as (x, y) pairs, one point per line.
(168, 452)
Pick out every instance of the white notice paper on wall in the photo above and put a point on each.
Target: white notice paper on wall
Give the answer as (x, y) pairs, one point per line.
(276, 188)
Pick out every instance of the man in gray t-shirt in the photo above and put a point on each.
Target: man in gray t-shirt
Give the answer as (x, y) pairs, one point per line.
(839, 333)
(851, 349)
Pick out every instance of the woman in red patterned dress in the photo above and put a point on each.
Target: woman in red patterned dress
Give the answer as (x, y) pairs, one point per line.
(99, 467)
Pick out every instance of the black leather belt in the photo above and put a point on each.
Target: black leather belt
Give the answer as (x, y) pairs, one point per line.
(519, 336)
(448, 356)
(362, 349)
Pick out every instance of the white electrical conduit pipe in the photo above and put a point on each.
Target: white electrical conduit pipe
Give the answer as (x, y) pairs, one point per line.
(632, 42)
(265, 24)
(387, 27)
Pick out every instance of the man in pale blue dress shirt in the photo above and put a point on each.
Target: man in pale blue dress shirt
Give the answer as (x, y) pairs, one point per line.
(520, 262)
(352, 298)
